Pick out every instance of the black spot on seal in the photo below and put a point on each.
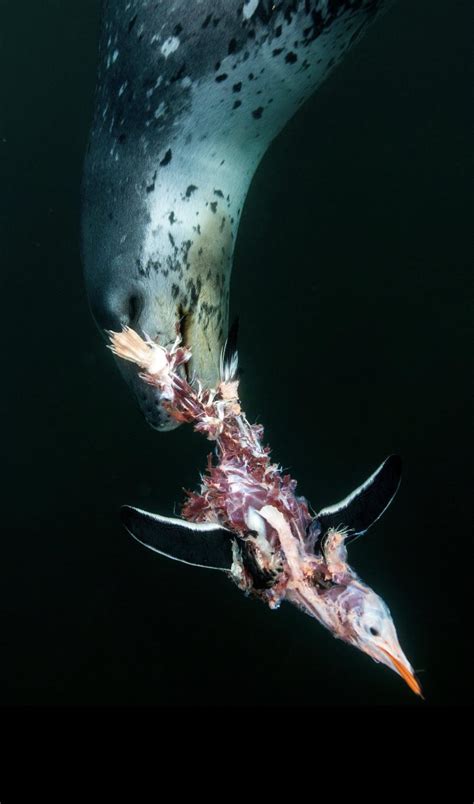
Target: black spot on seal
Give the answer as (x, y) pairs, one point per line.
(132, 23)
(166, 159)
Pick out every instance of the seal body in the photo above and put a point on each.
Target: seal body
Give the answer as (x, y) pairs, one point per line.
(189, 96)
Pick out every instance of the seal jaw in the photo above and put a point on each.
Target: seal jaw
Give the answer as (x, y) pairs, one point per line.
(150, 404)
(148, 399)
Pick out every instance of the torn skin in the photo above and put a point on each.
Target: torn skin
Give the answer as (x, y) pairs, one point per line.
(279, 550)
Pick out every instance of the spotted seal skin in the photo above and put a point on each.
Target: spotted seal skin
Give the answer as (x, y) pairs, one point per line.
(189, 96)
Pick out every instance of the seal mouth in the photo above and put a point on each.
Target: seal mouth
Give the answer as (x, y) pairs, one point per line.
(149, 398)
(203, 365)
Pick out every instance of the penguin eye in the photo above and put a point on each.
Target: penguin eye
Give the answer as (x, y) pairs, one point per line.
(374, 631)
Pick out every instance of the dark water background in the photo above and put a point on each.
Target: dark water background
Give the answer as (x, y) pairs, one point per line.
(352, 281)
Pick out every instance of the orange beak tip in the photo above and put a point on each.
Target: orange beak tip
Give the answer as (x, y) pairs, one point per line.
(406, 674)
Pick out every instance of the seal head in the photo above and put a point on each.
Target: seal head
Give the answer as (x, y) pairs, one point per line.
(186, 106)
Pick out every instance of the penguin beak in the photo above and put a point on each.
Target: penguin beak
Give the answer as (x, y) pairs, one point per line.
(405, 671)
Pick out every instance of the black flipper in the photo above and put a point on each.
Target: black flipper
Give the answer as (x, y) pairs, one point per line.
(202, 545)
(366, 504)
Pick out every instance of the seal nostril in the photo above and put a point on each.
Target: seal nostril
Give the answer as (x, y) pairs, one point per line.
(134, 309)
(114, 308)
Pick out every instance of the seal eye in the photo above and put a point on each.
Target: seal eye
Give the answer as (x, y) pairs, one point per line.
(374, 631)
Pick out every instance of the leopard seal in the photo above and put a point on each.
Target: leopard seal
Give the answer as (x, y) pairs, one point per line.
(188, 98)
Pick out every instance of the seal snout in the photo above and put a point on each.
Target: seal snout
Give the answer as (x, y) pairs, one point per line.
(149, 401)
(118, 304)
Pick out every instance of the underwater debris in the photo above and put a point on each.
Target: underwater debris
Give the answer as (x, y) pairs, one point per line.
(247, 520)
